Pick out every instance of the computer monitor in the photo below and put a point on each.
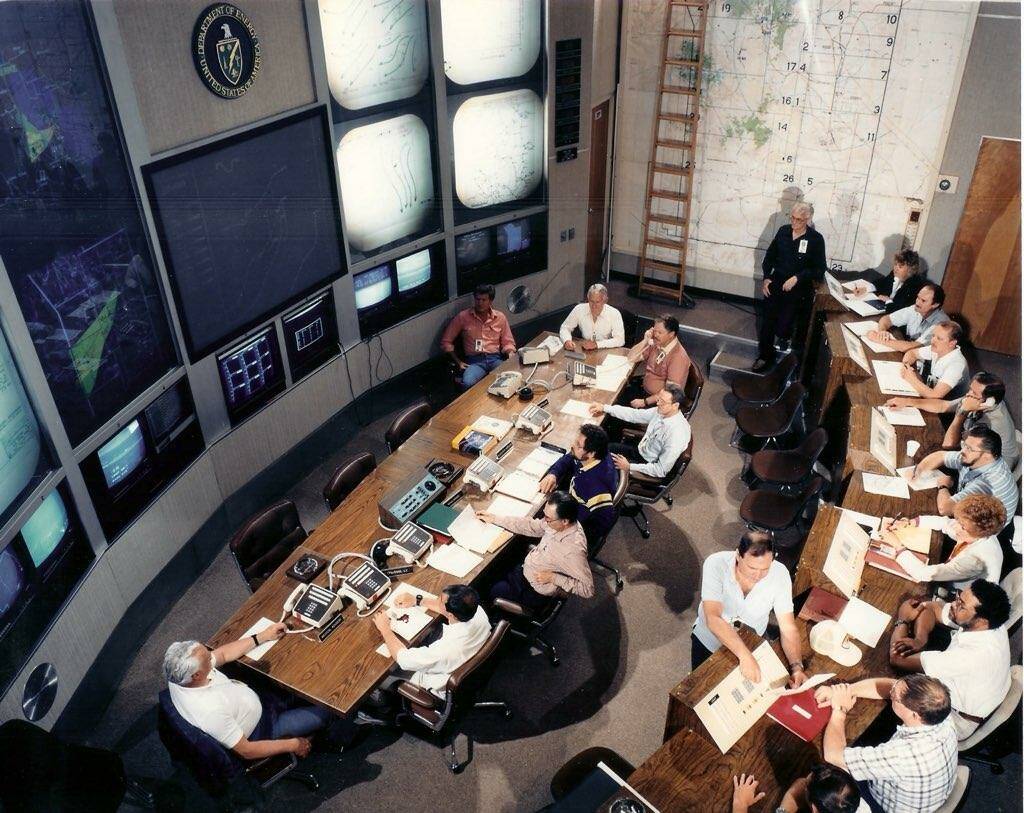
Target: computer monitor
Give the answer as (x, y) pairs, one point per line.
(251, 372)
(372, 287)
(513, 237)
(168, 412)
(45, 529)
(413, 271)
(12, 582)
(122, 456)
(310, 334)
(472, 249)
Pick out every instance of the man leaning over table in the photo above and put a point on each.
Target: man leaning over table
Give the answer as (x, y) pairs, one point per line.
(917, 320)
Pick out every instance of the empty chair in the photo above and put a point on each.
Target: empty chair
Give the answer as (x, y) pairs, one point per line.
(346, 477)
(582, 765)
(766, 424)
(1004, 711)
(265, 540)
(789, 469)
(960, 785)
(442, 715)
(772, 512)
(765, 389)
(1011, 583)
(530, 625)
(644, 490)
(405, 425)
(594, 545)
(694, 387)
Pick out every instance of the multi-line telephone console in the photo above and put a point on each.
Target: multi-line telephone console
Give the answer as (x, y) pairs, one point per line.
(410, 498)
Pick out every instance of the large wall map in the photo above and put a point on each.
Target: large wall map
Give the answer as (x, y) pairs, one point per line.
(71, 237)
(842, 103)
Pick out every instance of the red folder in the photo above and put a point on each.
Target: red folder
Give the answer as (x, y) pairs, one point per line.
(882, 561)
(800, 714)
(821, 605)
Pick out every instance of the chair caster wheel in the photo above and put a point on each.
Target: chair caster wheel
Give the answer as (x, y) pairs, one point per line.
(645, 534)
(618, 587)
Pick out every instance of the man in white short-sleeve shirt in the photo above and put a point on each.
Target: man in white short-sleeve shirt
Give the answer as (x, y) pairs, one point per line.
(467, 629)
(975, 667)
(917, 321)
(948, 377)
(743, 587)
(599, 324)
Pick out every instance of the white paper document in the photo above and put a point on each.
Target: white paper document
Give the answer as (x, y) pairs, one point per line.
(924, 481)
(932, 522)
(580, 409)
(502, 506)
(861, 307)
(885, 485)
(861, 328)
(903, 416)
(890, 378)
(835, 287)
(258, 652)
(730, 709)
(859, 284)
(810, 683)
(518, 484)
(844, 564)
(865, 520)
(876, 347)
(612, 373)
(453, 559)
(883, 440)
(538, 462)
(856, 351)
(406, 622)
(471, 533)
(863, 621)
(553, 344)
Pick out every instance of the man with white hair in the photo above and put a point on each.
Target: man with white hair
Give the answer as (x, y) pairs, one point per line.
(231, 712)
(794, 259)
(599, 323)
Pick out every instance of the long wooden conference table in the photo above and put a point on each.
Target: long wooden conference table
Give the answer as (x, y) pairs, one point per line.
(341, 671)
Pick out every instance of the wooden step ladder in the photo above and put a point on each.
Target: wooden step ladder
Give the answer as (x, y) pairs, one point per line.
(666, 225)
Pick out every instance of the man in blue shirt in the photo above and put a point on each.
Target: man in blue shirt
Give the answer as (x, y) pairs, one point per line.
(591, 480)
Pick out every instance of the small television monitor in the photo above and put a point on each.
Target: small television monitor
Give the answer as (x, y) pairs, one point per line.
(372, 287)
(413, 271)
(167, 413)
(513, 237)
(12, 581)
(251, 372)
(472, 248)
(310, 334)
(122, 456)
(45, 529)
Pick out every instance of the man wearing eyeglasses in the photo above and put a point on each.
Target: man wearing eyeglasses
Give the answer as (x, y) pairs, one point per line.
(979, 469)
(914, 771)
(976, 665)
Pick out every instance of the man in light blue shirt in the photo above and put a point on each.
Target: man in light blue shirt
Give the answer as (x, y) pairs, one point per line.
(666, 438)
(917, 321)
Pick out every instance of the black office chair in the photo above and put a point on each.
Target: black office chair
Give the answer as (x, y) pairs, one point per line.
(766, 389)
(773, 512)
(442, 716)
(214, 767)
(405, 425)
(530, 625)
(630, 327)
(347, 477)
(788, 469)
(265, 540)
(595, 543)
(692, 389)
(582, 765)
(643, 490)
(761, 427)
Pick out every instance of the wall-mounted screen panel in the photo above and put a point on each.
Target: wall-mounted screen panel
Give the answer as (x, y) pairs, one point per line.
(413, 271)
(311, 335)
(45, 530)
(372, 287)
(488, 40)
(247, 225)
(387, 181)
(24, 461)
(376, 52)
(501, 253)
(71, 235)
(251, 373)
(122, 457)
(395, 291)
(499, 148)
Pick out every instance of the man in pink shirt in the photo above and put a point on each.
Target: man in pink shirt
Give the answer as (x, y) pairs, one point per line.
(485, 334)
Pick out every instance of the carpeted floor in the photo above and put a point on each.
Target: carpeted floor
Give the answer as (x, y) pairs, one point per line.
(619, 657)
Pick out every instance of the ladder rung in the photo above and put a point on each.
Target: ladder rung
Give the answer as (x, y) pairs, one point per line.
(678, 91)
(683, 32)
(659, 266)
(664, 193)
(685, 63)
(674, 144)
(675, 245)
(668, 169)
(659, 288)
(685, 119)
(675, 221)
(686, 3)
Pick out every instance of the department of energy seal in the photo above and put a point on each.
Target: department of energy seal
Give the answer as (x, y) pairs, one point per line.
(226, 50)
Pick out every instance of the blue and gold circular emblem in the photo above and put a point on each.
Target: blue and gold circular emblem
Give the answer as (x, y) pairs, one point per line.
(226, 50)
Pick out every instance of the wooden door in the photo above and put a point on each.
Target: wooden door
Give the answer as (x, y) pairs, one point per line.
(597, 202)
(982, 280)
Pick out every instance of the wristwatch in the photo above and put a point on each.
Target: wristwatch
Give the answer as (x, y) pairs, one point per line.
(419, 599)
(255, 640)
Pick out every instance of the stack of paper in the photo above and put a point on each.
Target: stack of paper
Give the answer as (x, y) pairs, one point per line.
(862, 307)
(502, 506)
(864, 622)
(453, 559)
(472, 534)
(890, 378)
(924, 481)
(885, 485)
(914, 537)
(903, 416)
(867, 521)
(520, 485)
(406, 622)
(538, 461)
(859, 287)
(581, 409)
(612, 373)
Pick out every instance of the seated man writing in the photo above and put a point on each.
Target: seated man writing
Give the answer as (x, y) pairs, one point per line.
(975, 667)
(978, 468)
(666, 438)
(465, 630)
(917, 320)
(914, 771)
(665, 361)
(591, 480)
(559, 560)
(485, 336)
(599, 323)
(977, 518)
(948, 375)
(744, 587)
(231, 712)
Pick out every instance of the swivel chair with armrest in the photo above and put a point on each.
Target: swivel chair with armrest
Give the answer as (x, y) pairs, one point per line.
(406, 424)
(347, 477)
(214, 767)
(787, 469)
(595, 543)
(443, 715)
(764, 390)
(986, 732)
(691, 390)
(643, 490)
(772, 512)
(762, 427)
(530, 625)
(265, 540)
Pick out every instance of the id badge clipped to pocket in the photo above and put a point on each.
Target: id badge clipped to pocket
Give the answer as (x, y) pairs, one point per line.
(802, 248)
(478, 346)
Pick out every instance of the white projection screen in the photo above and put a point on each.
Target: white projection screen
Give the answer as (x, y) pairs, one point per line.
(485, 40)
(499, 147)
(19, 432)
(387, 183)
(376, 50)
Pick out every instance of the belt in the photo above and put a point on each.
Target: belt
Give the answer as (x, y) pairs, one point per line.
(971, 718)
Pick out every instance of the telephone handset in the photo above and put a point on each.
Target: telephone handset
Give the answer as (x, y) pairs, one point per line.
(312, 604)
(367, 586)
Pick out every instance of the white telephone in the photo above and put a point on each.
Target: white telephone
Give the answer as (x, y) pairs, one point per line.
(313, 605)
(366, 586)
(411, 542)
(534, 419)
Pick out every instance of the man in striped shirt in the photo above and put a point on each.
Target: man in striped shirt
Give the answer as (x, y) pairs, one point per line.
(590, 477)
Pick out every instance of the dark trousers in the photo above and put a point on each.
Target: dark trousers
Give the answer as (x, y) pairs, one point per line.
(698, 653)
(515, 587)
(627, 450)
(778, 317)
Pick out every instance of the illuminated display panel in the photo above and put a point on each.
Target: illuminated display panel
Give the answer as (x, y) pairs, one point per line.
(487, 40)
(311, 334)
(499, 148)
(122, 455)
(387, 181)
(251, 373)
(372, 287)
(45, 529)
(413, 271)
(376, 52)
(472, 248)
(22, 460)
(513, 237)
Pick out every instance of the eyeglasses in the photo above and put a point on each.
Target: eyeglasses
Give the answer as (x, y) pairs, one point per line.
(965, 448)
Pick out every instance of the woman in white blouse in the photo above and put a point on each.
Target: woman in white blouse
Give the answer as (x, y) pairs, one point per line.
(977, 518)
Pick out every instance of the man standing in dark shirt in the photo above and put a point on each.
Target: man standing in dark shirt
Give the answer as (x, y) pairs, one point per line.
(795, 258)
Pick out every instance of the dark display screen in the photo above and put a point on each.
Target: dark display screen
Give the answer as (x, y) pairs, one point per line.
(311, 334)
(71, 236)
(247, 225)
(251, 372)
